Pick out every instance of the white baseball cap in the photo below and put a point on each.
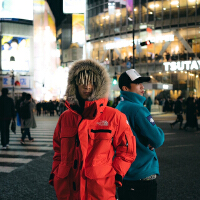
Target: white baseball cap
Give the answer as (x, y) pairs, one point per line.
(131, 76)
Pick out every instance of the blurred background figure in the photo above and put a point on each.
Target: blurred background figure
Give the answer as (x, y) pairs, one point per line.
(191, 114)
(7, 112)
(17, 107)
(178, 110)
(38, 108)
(61, 106)
(28, 123)
(116, 101)
(148, 103)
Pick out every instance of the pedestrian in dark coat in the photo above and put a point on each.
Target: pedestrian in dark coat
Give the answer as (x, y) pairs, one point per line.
(17, 106)
(26, 124)
(166, 105)
(38, 108)
(7, 112)
(191, 113)
(178, 111)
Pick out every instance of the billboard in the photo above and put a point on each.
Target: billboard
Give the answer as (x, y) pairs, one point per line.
(16, 9)
(74, 6)
(78, 29)
(15, 53)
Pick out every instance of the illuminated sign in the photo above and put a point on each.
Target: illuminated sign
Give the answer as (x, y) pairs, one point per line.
(23, 80)
(165, 87)
(16, 9)
(74, 6)
(15, 53)
(126, 43)
(78, 29)
(182, 65)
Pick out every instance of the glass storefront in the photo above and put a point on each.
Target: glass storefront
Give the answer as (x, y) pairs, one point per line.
(172, 27)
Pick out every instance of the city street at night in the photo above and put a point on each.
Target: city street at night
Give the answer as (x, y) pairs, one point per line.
(111, 64)
(179, 160)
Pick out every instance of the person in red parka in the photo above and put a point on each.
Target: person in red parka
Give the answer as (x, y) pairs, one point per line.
(93, 143)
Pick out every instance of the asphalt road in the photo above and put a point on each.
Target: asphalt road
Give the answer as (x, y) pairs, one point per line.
(179, 159)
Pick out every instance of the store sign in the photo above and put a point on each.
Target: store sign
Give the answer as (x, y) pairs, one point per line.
(23, 80)
(125, 43)
(7, 81)
(182, 65)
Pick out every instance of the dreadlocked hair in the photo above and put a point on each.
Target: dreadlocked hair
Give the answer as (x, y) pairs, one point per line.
(85, 77)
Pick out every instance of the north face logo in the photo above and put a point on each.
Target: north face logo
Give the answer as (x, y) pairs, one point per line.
(151, 120)
(102, 123)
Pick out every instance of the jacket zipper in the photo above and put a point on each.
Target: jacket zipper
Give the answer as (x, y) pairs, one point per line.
(101, 130)
(126, 142)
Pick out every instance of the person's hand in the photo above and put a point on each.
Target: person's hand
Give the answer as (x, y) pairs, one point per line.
(150, 147)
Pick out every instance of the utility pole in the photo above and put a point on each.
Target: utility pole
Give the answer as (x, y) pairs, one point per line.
(133, 33)
(13, 83)
(133, 47)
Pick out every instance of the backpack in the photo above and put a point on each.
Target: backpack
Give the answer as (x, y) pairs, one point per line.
(25, 112)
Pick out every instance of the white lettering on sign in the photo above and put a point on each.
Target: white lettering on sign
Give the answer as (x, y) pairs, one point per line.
(166, 87)
(182, 65)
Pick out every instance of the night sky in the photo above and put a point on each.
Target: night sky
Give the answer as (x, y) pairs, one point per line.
(57, 9)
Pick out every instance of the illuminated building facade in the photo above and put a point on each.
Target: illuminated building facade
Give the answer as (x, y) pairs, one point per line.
(45, 54)
(172, 27)
(28, 47)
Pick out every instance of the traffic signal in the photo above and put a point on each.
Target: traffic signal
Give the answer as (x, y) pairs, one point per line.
(148, 42)
(114, 82)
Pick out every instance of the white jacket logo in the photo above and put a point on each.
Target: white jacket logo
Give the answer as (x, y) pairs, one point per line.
(102, 123)
(151, 120)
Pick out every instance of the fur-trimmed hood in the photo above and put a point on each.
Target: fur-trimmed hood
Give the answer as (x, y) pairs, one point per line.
(102, 85)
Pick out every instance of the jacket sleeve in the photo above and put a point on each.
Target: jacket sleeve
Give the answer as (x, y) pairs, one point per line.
(148, 128)
(125, 146)
(56, 147)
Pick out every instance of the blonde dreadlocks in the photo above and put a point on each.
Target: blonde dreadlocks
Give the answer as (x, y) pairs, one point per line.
(85, 77)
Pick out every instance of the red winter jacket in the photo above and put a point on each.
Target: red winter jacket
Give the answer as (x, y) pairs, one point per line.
(84, 165)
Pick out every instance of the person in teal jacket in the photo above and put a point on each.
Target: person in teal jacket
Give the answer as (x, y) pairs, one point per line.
(140, 181)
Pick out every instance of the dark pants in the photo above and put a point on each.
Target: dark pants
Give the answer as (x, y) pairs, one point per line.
(138, 190)
(26, 132)
(4, 128)
(178, 119)
(38, 112)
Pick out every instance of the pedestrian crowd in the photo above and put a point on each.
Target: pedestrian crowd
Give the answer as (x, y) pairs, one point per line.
(191, 108)
(23, 112)
(50, 107)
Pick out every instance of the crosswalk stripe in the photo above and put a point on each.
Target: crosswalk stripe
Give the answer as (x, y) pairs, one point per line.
(17, 155)
(30, 153)
(33, 143)
(169, 133)
(38, 136)
(31, 147)
(35, 139)
(7, 169)
(15, 160)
